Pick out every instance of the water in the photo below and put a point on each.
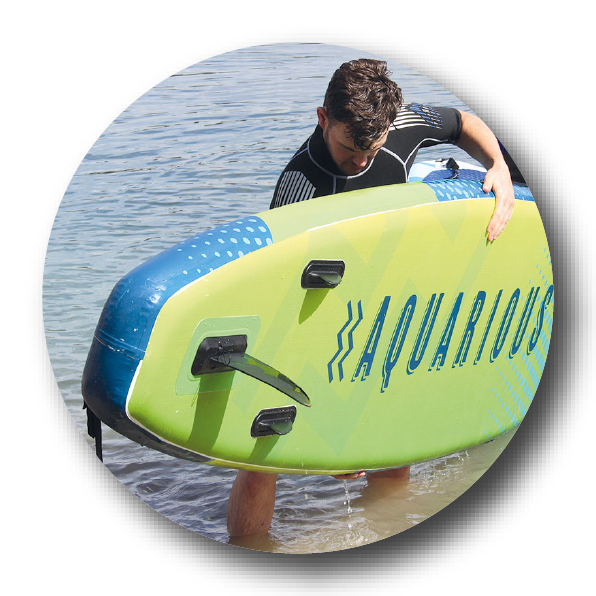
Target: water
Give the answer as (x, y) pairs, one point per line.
(348, 503)
(202, 148)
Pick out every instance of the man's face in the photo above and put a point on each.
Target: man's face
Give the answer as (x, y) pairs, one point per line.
(347, 157)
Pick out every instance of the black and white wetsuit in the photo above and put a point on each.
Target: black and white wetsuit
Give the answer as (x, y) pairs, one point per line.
(312, 172)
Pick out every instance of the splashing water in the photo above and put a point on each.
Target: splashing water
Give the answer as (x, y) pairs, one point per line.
(347, 501)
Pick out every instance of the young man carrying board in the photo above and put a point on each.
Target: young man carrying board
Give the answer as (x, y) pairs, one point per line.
(366, 137)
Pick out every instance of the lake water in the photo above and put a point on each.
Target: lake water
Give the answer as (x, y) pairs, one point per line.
(204, 147)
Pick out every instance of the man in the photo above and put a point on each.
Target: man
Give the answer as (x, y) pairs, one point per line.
(366, 137)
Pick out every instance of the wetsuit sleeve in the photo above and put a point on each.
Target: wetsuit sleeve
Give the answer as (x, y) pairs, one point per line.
(275, 201)
(293, 186)
(448, 129)
(418, 126)
(296, 181)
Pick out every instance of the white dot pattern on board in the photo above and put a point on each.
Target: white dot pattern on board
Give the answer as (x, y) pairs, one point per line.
(454, 190)
(216, 247)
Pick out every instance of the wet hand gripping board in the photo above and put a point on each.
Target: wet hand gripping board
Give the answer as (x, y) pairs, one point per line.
(361, 331)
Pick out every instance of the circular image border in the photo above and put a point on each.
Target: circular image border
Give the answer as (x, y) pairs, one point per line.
(499, 501)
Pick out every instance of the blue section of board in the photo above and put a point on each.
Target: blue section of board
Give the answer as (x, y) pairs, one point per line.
(130, 312)
(458, 189)
(447, 173)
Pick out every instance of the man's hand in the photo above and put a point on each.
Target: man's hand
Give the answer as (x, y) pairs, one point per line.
(479, 142)
(498, 179)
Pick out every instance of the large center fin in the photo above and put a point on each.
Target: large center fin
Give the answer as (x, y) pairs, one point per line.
(218, 354)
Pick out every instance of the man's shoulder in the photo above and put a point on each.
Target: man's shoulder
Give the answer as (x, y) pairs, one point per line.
(417, 114)
(417, 125)
(308, 157)
(300, 157)
(295, 182)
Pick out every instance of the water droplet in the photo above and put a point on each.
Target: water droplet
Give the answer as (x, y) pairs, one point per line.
(347, 502)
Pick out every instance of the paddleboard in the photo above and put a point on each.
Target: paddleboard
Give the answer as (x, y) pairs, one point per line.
(361, 331)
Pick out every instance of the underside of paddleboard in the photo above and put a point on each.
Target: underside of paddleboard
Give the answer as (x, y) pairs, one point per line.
(361, 331)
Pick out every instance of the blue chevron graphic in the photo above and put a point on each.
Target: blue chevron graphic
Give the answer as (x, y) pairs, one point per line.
(350, 342)
(340, 344)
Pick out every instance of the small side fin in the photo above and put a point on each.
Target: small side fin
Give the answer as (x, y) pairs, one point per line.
(273, 421)
(279, 427)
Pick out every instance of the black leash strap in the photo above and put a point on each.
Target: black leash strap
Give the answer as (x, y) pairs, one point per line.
(454, 167)
(94, 431)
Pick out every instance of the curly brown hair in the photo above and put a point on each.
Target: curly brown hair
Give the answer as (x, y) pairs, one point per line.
(363, 97)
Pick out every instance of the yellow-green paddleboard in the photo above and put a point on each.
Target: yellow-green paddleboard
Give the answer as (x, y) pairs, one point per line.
(361, 331)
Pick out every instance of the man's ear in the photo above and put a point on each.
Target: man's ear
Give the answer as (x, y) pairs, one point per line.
(323, 118)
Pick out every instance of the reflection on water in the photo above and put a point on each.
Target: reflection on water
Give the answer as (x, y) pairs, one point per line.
(203, 148)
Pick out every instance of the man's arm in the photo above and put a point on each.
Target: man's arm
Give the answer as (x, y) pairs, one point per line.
(477, 140)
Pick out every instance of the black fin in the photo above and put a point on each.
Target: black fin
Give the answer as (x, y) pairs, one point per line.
(263, 372)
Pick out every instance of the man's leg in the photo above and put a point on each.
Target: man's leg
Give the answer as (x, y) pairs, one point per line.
(251, 503)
